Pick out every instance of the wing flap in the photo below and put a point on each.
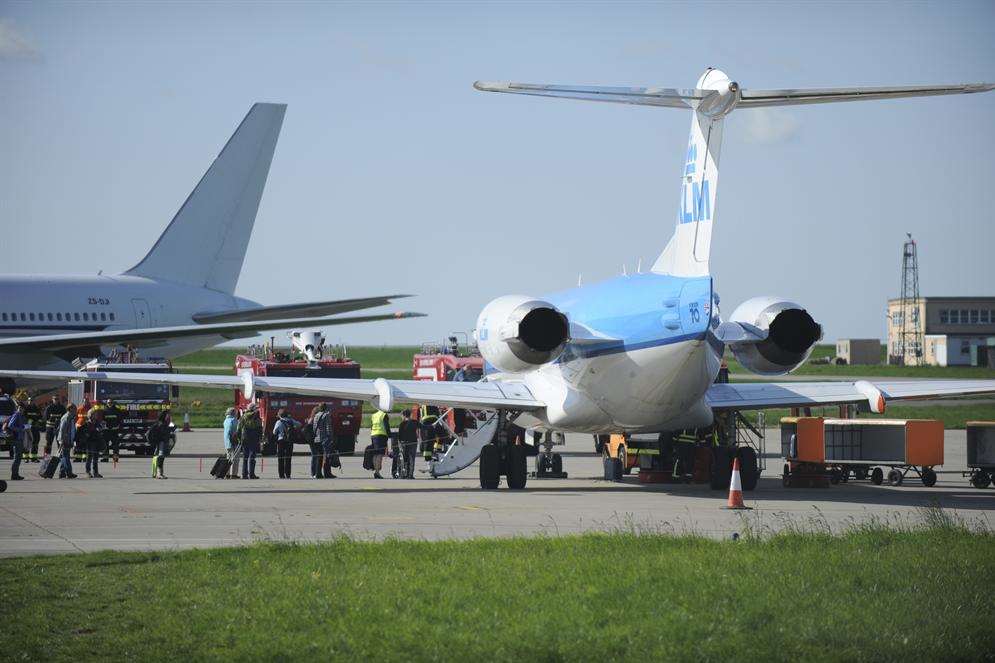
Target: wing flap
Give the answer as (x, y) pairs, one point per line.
(792, 97)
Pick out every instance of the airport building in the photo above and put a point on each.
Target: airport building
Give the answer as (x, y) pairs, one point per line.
(858, 351)
(957, 331)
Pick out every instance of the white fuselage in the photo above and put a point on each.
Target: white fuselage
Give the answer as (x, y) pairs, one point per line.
(34, 305)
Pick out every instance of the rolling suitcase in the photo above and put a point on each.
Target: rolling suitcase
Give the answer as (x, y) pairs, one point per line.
(48, 466)
(368, 457)
(221, 467)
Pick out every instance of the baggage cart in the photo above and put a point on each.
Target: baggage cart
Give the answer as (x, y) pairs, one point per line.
(980, 453)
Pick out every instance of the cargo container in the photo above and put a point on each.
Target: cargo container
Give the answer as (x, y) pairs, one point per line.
(980, 453)
(821, 451)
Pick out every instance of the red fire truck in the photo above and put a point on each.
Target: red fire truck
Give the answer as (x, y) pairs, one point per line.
(140, 404)
(347, 415)
(447, 362)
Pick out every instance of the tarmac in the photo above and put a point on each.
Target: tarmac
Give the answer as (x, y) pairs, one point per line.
(128, 510)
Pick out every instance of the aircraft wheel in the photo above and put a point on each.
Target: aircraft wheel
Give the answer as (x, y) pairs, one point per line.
(557, 464)
(3, 485)
(981, 479)
(877, 476)
(490, 467)
(749, 470)
(928, 477)
(518, 471)
(895, 478)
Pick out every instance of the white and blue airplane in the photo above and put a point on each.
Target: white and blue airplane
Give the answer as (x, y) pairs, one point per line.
(180, 297)
(637, 353)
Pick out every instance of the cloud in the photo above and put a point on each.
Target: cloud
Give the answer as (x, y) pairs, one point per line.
(769, 126)
(14, 46)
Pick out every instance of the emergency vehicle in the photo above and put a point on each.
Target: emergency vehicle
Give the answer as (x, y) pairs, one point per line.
(140, 404)
(304, 360)
(447, 362)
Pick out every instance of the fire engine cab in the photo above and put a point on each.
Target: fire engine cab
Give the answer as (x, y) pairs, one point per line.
(306, 358)
(140, 404)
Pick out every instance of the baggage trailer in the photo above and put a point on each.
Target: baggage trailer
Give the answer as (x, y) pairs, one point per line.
(821, 451)
(980, 453)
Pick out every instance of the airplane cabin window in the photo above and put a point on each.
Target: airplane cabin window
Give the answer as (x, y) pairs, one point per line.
(31, 316)
(86, 317)
(49, 317)
(103, 317)
(58, 316)
(112, 316)
(76, 317)
(23, 317)
(5, 317)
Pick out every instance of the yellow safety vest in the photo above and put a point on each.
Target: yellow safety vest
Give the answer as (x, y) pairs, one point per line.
(377, 427)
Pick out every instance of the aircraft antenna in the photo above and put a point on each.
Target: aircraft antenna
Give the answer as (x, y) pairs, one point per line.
(910, 335)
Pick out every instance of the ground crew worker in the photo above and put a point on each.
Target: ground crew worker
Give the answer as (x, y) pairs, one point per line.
(53, 413)
(283, 431)
(158, 437)
(89, 439)
(65, 437)
(250, 435)
(428, 435)
(407, 435)
(111, 429)
(81, 412)
(33, 415)
(379, 432)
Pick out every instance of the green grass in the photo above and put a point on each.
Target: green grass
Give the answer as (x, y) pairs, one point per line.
(380, 356)
(871, 594)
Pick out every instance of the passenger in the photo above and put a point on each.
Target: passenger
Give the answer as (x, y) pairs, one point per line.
(16, 427)
(231, 441)
(310, 438)
(111, 430)
(33, 415)
(158, 436)
(53, 413)
(90, 440)
(407, 435)
(379, 433)
(250, 435)
(65, 437)
(325, 438)
(283, 431)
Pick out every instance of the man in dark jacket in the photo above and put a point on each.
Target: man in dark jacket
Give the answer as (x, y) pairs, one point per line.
(324, 437)
(16, 428)
(53, 413)
(407, 436)
(33, 414)
(250, 434)
(283, 431)
(159, 436)
(112, 429)
(89, 439)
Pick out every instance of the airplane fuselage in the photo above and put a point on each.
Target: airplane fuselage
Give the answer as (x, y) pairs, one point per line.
(34, 305)
(652, 369)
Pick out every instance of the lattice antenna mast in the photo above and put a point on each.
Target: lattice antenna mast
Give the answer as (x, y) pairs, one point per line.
(910, 338)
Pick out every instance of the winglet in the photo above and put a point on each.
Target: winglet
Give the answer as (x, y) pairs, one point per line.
(875, 398)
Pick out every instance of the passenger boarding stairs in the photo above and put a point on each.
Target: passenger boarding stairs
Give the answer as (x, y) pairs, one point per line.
(463, 451)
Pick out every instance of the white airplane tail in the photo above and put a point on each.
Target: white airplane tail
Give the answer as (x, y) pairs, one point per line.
(714, 97)
(205, 243)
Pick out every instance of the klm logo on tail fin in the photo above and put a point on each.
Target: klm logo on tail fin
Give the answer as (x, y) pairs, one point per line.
(695, 201)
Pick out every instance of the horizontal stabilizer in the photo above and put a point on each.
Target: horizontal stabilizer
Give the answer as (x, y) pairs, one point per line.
(155, 336)
(639, 96)
(757, 98)
(285, 311)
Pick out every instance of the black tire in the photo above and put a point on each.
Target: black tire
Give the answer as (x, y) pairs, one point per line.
(860, 473)
(749, 468)
(518, 467)
(786, 476)
(928, 477)
(3, 486)
(557, 464)
(895, 477)
(877, 476)
(980, 479)
(490, 467)
(721, 469)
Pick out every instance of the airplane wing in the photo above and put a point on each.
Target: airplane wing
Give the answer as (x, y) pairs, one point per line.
(757, 98)
(142, 338)
(764, 395)
(383, 393)
(286, 311)
(639, 96)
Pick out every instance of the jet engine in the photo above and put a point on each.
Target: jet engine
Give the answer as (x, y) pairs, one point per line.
(517, 333)
(777, 335)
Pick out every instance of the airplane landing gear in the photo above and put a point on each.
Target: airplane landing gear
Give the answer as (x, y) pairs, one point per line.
(549, 465)
(504, 455)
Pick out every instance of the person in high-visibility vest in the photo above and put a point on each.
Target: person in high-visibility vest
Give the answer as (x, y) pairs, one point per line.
(379, 432)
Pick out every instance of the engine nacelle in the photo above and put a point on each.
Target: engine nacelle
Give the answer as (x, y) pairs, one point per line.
(516, 333)
(791, 335)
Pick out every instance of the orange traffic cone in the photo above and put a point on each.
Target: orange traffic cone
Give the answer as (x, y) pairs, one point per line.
(736, 489)
(186, 423)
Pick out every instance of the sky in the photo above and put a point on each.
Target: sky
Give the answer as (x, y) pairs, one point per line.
(393, 175)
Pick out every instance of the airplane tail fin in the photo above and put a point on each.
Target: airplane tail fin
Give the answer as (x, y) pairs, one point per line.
(205, 243)
(714, 97)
